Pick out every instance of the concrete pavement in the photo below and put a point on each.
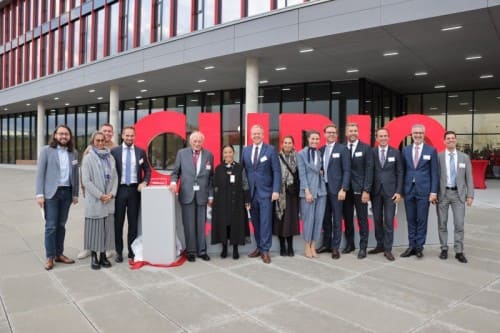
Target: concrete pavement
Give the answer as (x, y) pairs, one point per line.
(289, 295)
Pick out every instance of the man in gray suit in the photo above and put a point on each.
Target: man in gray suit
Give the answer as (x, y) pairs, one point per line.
(195, 167)
(56, 188)
(456, 188)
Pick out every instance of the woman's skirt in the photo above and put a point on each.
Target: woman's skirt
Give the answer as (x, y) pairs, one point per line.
(99, 234)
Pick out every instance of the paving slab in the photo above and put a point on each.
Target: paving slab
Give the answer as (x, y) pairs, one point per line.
(367, 312)
(349, 262)
(18, 264)
(61, 318)
(139, 278)
(12, 242)
(83, 282)
(486, 299)
(31, 292)
(187, 306)
(192, 269)
(472, 318)
(125, 313)
(235, 291)
(240, 325)
(5, 327)
(437, 327)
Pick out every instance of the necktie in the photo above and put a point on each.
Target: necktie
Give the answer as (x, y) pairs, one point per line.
(416, 157)
(453, 170)
(312, 155)
(382, 157)
(255, 156)
(196, 155)
(350, 149)
(128, 165)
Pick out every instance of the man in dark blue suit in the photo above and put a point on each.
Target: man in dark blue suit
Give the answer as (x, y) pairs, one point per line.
(420, 187)
(337, 173)
(264, 179)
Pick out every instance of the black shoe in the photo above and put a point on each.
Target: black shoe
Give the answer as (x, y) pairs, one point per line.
(443, 255)
(323, 249)
(348, 249)
(119, 258)
(94, 263)
(408, 253)
(376, 250)
(335, 254)
(362, 254)
(282, 246)
(103, 261)
(460, 257)
(191, 258)
(389, 256)
(236, 254)
(204, 257)
(419, 254)
(223, 254)
(290, 251)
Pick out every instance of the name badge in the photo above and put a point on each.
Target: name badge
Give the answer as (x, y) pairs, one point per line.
(141, 161)
(232, 179)
(391, 159)
(335, 155)
(427, 157)
(358, 154)
(196, 187)
(208, 167)
(461, 165)
(74, 162)
(263, 159)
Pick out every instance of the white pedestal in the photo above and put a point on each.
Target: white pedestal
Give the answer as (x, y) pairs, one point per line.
(158, 211)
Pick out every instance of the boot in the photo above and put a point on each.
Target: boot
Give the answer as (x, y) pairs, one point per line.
(236, 254)
(223, 254)
(289, 240)
(282, 246)
(104, 261)
(94, 263)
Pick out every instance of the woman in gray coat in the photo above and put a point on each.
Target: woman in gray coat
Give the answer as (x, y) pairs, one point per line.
(100, 180)
(312, 192)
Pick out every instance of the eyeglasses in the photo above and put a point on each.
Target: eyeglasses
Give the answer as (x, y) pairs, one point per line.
(99, 140)
(62, 133)
(328, 132)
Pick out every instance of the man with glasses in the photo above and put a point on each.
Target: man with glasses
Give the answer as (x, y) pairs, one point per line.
(337, 173)
(56, 188)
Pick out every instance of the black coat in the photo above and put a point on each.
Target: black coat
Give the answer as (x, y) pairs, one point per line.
(229, 205)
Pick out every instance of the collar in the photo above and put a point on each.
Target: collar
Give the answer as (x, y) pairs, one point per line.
(451, 152)
(124, 146)
(384, 148)
(419, 146)
(355, 143)
(258, 146)
(62, 148)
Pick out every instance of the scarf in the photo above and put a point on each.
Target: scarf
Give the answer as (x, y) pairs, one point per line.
(286, 180)
(103, 155)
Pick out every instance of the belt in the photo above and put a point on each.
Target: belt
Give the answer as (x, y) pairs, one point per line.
(454, 188)
(130, 185)
(64, 187)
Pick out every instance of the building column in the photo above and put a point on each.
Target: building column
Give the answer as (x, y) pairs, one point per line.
(40, 126)
(114, 106)
(251, 88)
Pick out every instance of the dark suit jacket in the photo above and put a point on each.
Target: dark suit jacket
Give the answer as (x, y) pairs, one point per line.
(265, 178)
(339, 168)
(425, 175)
(143, 169)
(184, 168)
(362, 168)
(388, 180)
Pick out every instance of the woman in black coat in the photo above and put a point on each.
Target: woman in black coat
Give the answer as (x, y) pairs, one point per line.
(231, 197)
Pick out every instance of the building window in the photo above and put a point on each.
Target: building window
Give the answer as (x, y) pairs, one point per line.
(258, 6)
(183, 17)
(162, 19)
(128, 25)
(63, 52)
(145, 22)
(44, 59)
(286, 3)
(230, 10)
(434, 105)
(231, 120)
(459, 112)
(113, 29)
(318, 98)
(100, 34)
(205, 12)
(77, 46)
(293, 98)
(56, 56)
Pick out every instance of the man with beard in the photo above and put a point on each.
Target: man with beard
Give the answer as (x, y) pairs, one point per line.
(56, 188)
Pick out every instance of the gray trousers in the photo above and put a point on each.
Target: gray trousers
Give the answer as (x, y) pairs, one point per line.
(312, 215)
(458, 209)
(193, 219)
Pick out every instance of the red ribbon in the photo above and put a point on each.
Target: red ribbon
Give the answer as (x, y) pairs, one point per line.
(138, 264)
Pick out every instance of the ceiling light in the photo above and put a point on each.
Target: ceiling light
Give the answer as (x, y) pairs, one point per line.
(263, 81)
(52, 110)
(453, 96)
(486, 76)
(209, 67)
(439, 86)
(211, 94)
(474, 57)
(92, 107)
(143, 90)
(282, 68)
(236, 102)
(153, 99)
(352, 70)
(387, 107)
(196, 90)
(28, 104)
(471, 110)
(391, 53)
(422, 73)
(498, 97)
(450, 28)
(336, 92)
(368, 101)
(99, 98)
(286, 89)
(463, 103)
(66, 104)
(180, 105)
(5, 109)
(56, 98)
(141, 81)
(202, 80)
(433, 108)
(307, 50)
(92, 91)
(139, 104)
(138, 97)
(194, 100)
(261, 96)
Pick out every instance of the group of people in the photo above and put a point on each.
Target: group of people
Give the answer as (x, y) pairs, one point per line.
(319, 185)
(111, 180)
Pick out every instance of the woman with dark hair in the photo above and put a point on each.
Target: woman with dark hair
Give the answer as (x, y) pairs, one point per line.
(286, 217)
(231, 197)
(100, 179)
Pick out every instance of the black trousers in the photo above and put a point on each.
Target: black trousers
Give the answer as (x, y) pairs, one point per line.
(384, 210)
(354, 200)
(128, 201)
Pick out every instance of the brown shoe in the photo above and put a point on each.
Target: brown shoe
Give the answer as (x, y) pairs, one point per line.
(65, 260)
(49, 264)
(389, 256)
(376, 250)
(335, 254)
(254, 254)
(266, 258)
